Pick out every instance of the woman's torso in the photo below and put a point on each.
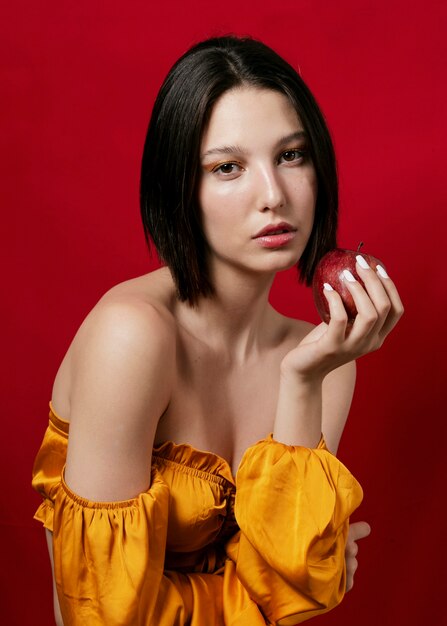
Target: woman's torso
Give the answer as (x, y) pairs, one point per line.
(216, 405)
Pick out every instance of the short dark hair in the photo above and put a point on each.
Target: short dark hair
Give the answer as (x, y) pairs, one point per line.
(171, 158)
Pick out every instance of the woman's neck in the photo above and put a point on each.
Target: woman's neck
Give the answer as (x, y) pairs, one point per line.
(237, 323)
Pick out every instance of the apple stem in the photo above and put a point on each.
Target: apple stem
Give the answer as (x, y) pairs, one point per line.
(359, 246)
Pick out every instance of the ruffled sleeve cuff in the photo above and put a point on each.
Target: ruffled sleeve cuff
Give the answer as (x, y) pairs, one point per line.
(48, 466)
(45, 514)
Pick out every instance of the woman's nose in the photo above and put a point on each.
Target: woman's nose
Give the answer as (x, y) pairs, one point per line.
(270, 193)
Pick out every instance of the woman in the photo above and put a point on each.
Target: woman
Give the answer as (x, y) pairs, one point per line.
(198, 484)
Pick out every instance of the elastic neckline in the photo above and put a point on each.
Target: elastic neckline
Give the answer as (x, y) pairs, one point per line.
(159, 451)
(175, 448)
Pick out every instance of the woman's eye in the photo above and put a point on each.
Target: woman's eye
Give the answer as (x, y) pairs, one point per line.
(289, 156)
(226, 168)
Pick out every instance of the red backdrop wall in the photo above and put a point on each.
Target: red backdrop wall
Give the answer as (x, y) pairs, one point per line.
(78, 81)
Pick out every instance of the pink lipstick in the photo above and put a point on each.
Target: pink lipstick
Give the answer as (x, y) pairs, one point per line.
(275, 235)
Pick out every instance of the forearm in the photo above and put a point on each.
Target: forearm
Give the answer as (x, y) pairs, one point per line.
(299, 411)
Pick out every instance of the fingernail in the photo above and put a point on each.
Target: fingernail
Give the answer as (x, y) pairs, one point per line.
(382, 272)
(347, 274)
(327, 287)
(362, 262)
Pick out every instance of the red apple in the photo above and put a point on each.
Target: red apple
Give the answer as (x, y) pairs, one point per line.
(330, 270)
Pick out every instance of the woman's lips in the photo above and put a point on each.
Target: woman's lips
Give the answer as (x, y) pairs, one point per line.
(272, 237)
(275, 241)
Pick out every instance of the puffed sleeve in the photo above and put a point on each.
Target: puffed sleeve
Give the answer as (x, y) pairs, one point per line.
(108, 556)
(292, 506)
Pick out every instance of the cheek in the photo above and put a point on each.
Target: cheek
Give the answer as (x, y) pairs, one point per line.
(214, 211)
(219, 204)
(305, 192)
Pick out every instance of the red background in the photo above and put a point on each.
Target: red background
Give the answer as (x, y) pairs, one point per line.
(78, 81)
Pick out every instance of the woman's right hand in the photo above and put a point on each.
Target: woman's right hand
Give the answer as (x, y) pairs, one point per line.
(357, 530)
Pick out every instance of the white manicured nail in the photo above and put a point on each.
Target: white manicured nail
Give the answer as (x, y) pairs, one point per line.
(362, 262)
(328, 287)
(381, 271)
(347, 274)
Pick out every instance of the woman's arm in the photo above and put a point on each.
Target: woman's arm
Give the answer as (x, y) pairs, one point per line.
(318, 377)
(123, 368)
(123, 361)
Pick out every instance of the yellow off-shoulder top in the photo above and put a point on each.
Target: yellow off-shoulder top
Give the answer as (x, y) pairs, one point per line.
(201, 547)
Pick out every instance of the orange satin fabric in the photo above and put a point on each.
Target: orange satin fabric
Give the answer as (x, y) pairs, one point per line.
(201, 547)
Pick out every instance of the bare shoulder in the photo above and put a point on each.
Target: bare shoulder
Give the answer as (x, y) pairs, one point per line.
(131, 317)
(129, 320)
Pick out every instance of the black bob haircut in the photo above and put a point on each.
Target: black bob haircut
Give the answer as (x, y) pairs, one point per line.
(171, 158)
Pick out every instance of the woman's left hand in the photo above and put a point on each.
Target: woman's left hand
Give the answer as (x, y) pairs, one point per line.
(331, 345)
(357, 530)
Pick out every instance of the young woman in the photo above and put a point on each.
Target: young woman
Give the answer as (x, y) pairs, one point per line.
(189, 469)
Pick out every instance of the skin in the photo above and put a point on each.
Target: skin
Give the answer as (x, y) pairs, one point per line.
(234, 369)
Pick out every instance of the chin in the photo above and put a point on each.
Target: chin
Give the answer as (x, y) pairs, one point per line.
(287, 266)
(280, 265)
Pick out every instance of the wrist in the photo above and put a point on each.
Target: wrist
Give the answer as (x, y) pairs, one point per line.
(305, 380)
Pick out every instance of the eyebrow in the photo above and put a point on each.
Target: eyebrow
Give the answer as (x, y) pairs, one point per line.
(234, 149)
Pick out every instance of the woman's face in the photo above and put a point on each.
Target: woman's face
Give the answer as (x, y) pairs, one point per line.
(255, 173)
